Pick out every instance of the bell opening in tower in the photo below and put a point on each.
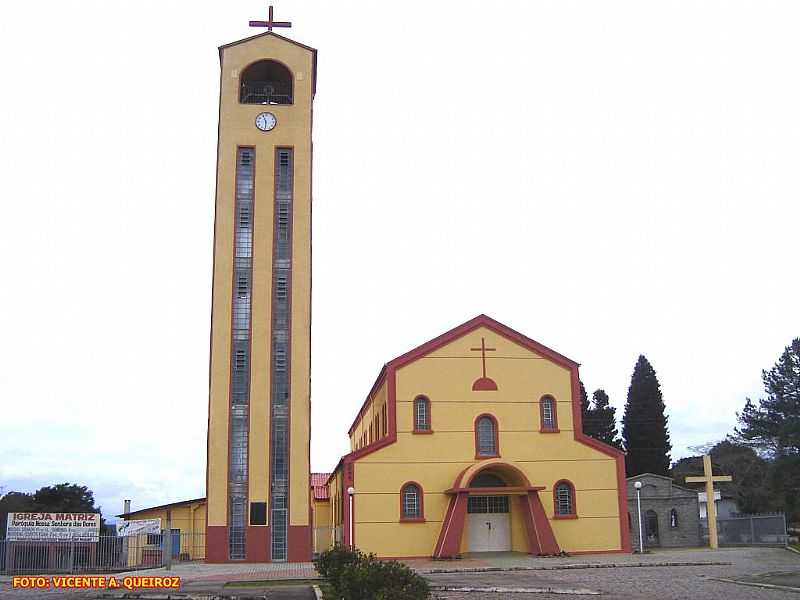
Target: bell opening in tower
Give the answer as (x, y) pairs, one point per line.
(266, 82)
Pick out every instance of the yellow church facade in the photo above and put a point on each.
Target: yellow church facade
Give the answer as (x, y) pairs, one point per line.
(473, 442)
(470, 442)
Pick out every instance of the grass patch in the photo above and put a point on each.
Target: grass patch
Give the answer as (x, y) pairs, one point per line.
(327, 590)
(260, 583)
(795, 546)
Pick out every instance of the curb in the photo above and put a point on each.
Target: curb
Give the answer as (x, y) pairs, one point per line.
(579, 566)
(507, 590)
(768, 586)
(790, 549)
(317, 592)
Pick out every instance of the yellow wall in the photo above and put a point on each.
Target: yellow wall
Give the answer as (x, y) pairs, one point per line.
(370, 411)
(323, 527)
(445, 376)
(237, 129)
(190, 518)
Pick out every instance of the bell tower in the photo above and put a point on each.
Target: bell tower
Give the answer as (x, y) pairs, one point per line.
(257, 480)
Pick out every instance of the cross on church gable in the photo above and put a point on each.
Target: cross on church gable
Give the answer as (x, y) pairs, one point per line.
(483, 383)
(270, 23)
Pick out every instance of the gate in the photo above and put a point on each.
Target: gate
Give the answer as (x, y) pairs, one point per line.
(767, 529)
(109, 554)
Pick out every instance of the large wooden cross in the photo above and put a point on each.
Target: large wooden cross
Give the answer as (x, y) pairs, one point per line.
(711, 508)
(269, 23)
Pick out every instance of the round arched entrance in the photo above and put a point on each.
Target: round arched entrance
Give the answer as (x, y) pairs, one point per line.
(483, 500)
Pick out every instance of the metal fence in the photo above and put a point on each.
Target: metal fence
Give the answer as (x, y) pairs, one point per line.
(108, 554)
(749, 530)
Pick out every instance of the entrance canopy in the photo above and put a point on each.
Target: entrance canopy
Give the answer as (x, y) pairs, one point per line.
(493, 477)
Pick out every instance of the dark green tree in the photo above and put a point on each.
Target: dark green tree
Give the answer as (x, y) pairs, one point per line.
(585, 409)
(749, 487)
(65, 497)
(603, 420)
(644, 425)
(773, 426)
(13, 502)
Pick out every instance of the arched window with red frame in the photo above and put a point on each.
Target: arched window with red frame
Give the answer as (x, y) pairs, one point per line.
(412, 503)
(564, 500)
(422, 414)
(486, 437)
(548, 414)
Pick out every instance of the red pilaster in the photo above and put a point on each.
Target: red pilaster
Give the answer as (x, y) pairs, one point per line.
(541, 538)
(449, 542)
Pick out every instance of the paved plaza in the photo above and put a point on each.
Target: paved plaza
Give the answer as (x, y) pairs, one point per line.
(699, 574)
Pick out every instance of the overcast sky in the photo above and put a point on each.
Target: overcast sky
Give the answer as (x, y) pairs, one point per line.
(608, 178)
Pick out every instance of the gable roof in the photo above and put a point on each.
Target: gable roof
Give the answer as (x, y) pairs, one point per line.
(285, 39)
(161, 506)
(319, 485)
(471, 325)
(458, 332)
(670, 479)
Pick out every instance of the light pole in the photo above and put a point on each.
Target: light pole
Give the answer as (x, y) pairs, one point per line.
(350, 491)
(638, 486)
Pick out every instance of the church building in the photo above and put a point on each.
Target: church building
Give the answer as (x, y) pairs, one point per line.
(472, 442)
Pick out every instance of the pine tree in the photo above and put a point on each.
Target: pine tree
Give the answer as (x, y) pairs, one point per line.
(774, 425)
(604, 422)
(585, 409)
(644, 426)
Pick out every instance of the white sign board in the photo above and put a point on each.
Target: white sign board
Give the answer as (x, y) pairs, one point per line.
(51, 527)
(127, 528)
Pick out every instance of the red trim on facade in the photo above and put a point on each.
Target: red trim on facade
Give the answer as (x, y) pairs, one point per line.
(420, 501)
(478, 455)
(256, 543)
(572, 499)
(216, 543)
(375, 386)
(554, 410)
(615, 453)
(534, 547)
(449, 543)
(523, 479)
(513, 490)
(545, 537)
(299, 543)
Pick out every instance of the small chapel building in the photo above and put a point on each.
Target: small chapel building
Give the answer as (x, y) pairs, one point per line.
(670, 513)
(472, 442)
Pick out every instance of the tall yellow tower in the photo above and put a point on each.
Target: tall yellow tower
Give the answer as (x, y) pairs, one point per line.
(257, 480)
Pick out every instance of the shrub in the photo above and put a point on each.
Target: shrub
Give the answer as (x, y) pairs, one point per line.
(353, 575)
(372, 579)
(331, 563)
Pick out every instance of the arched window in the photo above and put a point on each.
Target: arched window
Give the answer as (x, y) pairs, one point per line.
(422, 414)
(673, 518)
(411, 502)
(266, 82)
(548, 414)
(486, 436)
(564, 500)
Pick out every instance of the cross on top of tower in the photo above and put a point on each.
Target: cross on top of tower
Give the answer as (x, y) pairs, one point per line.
(269, 23)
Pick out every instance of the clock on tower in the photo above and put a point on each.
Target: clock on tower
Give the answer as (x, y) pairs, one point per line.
(259, 405)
